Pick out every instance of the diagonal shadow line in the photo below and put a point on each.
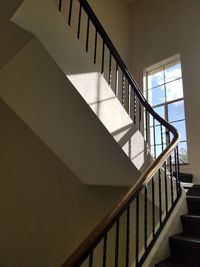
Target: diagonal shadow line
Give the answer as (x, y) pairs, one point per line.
(127, 135)
(103, 100)
(141, 152)
(121, 129)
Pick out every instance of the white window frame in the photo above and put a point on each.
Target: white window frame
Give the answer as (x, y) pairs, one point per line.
(166, 103)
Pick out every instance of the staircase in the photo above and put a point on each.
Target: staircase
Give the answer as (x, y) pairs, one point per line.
(185, 247)
(127, 234)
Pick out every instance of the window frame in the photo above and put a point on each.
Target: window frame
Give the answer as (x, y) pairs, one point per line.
(165, 104)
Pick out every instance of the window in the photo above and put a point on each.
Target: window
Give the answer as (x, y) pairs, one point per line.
(164, 91)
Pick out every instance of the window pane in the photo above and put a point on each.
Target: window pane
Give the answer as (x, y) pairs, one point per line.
(158, 150)
(161, 112)
(172, 71)
(157, 135)
(152, 151)
(151, 136)
(180, 126)
(155, 78)
(174, 90)
(176, 111)
(182, 151)
(156, 96)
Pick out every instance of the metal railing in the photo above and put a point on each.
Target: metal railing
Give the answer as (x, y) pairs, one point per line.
(127, 234)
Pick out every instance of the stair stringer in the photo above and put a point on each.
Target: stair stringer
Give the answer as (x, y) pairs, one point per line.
(42, 96)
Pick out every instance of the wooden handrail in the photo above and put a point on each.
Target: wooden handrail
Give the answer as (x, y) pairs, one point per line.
(82, 251)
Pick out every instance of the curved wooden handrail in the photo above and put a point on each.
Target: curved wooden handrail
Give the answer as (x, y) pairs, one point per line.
(93, 238)
(99, 231)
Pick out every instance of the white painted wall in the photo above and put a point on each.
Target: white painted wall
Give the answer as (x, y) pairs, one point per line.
(66, 50)
(46, 211)
(159, 30)
(115, 16)
(37, 90)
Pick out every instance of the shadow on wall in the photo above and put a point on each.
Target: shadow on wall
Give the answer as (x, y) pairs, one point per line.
(134, 145)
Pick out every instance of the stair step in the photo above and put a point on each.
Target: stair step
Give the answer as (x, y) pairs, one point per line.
(193, 205)
(173, 263)
(194, 190)
(185, 248)
(191, 224)
(185, 177)
(187, 186)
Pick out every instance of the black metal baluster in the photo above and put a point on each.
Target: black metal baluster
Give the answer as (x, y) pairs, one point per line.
(123, 89)
(117, 244)
(134, 107)
(145, 218)
(161, 135)
(137, 232)
(95, 47)
(160, 199)
(60, 5)
(140, 116)
(171, 172)
(88, 32)
(165, 168)
(116, 79)
(166, 189)
(153, 207)
(110, 68)
(91, 259)
(127, 236)
(154, 138)
(146, 124)
(70, 12)
(79, 21)
(176, 171)
(171, 176)
(102, 62)
(129, 97)
(105, 250)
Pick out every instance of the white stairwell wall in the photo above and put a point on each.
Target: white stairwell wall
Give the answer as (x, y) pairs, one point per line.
(61, 43)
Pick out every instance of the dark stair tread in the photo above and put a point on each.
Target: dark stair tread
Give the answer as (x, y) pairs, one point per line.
(185, 248)
(185, 177)
(190, 218)
(173, 263)
(194, 199)
(194, 190)
(186, 238)
(193, 204)
(191, 224)
(183, 174)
